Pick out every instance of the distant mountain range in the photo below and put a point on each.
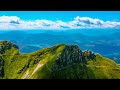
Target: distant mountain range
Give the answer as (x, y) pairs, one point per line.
(57, 62)
(28, 41)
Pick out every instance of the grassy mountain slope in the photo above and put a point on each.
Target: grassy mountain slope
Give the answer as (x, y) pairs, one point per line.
(58, 62)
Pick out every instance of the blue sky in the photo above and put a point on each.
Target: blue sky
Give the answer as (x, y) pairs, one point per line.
(62, 15)
(59, 19)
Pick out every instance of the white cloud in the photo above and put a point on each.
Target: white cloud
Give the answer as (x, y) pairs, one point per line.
(8, 19)
(14, 23)
(88, 20)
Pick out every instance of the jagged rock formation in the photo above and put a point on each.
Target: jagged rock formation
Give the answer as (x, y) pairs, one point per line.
(70, 55)
(58, 62)
(88, 55)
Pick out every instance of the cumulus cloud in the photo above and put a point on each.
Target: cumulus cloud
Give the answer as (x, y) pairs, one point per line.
(7, 19)
(88, 20)
(14, 23)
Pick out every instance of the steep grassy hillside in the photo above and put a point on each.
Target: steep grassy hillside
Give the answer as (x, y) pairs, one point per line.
(58, 62)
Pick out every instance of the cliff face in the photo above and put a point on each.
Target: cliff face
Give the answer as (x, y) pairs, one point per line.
(58, 62)
(70, 55)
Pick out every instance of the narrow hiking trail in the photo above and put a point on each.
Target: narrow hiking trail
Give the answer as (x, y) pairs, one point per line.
(38, 66)
(26, 74)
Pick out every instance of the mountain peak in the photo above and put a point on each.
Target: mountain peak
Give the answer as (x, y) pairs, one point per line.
(6, 45)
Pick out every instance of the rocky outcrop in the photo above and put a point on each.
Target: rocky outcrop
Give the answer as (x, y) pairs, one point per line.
(88, 55)
(70, 55)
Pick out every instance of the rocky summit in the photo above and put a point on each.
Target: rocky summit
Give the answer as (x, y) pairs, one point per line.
(57, 62)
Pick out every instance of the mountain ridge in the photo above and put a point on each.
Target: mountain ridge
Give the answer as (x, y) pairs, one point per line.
(57, 62)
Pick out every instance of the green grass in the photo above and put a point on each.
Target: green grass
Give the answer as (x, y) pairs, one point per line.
(103, 68)
(16, 64)
(45, 71)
